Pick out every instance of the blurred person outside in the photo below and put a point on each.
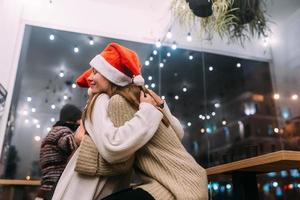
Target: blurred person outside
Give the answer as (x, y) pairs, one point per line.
(57, 147)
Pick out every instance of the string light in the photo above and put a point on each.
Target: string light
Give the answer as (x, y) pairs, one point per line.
(61, 74)
(35, 121)
(168, 54)
(74, 85)
(38, 126)
(158, 44)
(163, 97)
(91, 42)
(266, 41)
(149, 78)
(48, 129)
(184, 89)
(155, 52)
(76, 49)
(26, 121)
(161, 65)
(65, 97)
(153, 85)
(191, 57)
(276, 130)
(174, 46)
(29, 99)
(33, 110)
(211, 68)
(52, 119)
(52, 37)
(25, 112)
(202, 130)
(238, 65)
(147, 63)
(146, 86)
(53, 106)
(169, 34)
(189, 37)
(213, 113)
(176, 97)
(217, 105)
(151, 58)
(224, 122)
(189, 124)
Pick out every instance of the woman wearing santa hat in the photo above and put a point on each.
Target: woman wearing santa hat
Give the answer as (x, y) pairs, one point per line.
(111, 139)
(165, 167)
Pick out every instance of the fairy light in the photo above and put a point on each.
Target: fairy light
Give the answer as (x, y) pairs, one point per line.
(76, 49)
(158, 44)
(189, 37)
(169, 34)
(51, 37)
(276, 96)
(174, 46)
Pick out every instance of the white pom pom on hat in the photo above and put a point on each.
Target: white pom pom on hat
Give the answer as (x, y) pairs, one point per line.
(138, 80)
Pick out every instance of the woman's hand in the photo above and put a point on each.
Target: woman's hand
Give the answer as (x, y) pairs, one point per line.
(147, 98)
(79, 133)
(156, 98)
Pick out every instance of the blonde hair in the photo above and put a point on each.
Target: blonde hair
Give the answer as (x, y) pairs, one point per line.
(130, 92)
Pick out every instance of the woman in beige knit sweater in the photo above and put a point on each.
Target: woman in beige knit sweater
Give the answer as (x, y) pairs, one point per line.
(166, 169)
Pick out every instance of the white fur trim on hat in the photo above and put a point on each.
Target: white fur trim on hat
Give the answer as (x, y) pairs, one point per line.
(138, 80)
(109, 71)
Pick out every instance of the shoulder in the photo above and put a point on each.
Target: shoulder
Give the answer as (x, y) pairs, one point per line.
(117, 98)
(102, 98)
(118, 101)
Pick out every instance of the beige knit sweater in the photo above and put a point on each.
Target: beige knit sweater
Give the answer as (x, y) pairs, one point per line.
(167, 170)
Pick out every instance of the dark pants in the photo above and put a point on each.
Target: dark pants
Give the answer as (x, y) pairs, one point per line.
(135, 194)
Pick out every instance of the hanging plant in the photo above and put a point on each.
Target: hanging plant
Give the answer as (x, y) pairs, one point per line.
(220, 21)
(250, 21)
(236, 19)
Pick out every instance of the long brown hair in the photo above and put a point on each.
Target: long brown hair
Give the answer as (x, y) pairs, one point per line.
(130, 92)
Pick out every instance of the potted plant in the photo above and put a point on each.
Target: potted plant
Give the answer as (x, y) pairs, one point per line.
(220, 20)
(201, 8)
(236, 19)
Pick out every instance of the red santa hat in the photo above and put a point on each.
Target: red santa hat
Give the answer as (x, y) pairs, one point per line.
(119, 65)
(82, 79)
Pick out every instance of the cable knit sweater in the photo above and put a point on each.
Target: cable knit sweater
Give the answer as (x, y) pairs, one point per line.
(168, 171)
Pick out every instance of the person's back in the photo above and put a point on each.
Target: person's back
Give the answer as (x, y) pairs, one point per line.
(168, 170)
(56, 148)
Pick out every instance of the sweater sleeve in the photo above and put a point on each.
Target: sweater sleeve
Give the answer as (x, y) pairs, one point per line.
(117, 144)
(175, 123)
(67, 142)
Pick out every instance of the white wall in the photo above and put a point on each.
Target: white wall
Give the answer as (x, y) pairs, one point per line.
(136, 20)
